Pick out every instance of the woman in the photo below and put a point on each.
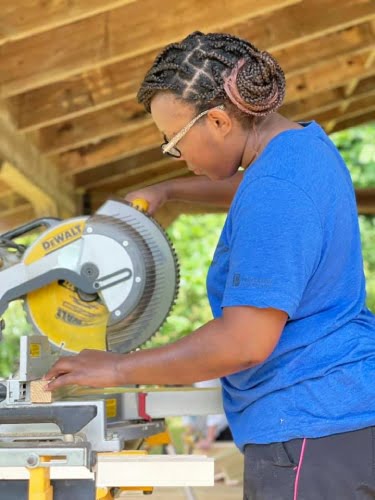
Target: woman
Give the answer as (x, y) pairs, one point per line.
(292, 338)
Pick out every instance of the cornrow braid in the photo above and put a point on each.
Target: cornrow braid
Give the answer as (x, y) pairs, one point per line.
(217, 68)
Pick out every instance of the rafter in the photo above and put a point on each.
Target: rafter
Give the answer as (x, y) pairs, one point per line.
(25, 18)
(146, 171)
(302, 56)
(42, 203)
(92, 128)
(100, 39)
(117, 169)
(120, 118)
(117, 147)
(33, 168)
(155, 179)
(330, 125)
(117, 82)
(323, 101)
(137, 179)
(345, 123)
(330, 74)
(15, 217)
(355, 108)
(110, 174)
(316, 105)
(366, 201)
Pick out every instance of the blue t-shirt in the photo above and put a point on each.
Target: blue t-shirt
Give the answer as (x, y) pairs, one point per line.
(291, 242)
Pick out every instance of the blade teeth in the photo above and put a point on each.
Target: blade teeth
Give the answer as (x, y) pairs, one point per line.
(117, 337)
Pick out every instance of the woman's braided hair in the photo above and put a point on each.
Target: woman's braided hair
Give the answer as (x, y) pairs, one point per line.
(208, 70)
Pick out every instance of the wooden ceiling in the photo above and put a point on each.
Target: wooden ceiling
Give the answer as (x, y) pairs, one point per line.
(71, 131)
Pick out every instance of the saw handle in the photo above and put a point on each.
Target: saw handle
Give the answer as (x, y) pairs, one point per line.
(30, 226)
(141, 204)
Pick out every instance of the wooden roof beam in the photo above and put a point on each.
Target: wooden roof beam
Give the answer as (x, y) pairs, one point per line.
(355, 108)
(122, 118)
(137, 180)
(42, 203)
(87, 44)
(128, 116)
(351, 87)
(25, 18)
(117, 169)
(16, 217)
(330, 74)
(113, 184)
(365, 200)
(303, 22)
(360, 119)
(10, 199)
(111, 173)
(303, 56)
(35, 173)
(117, 82)
(121, 146)
(308, 108)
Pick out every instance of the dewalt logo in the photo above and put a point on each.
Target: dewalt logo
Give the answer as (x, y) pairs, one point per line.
(62, 238)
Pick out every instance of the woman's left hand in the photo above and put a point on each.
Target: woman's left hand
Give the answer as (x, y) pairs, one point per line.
(89, 367)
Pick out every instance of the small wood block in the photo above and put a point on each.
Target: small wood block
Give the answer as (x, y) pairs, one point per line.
(37, 392)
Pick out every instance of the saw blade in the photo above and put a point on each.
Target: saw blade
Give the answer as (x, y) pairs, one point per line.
(74, 321)
(155, 268)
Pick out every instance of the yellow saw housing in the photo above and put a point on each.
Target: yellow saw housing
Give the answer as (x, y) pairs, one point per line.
(57, 310)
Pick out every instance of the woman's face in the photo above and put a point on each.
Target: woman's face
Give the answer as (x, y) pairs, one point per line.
(213, 146)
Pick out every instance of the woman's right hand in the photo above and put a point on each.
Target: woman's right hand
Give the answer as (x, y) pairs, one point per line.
(155, 195)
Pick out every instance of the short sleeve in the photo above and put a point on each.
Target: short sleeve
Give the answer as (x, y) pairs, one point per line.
(275, 245)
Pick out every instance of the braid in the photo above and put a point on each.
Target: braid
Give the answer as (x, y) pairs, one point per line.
(217, 68)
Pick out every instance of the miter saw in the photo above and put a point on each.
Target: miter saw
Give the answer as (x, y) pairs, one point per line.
(106, 281)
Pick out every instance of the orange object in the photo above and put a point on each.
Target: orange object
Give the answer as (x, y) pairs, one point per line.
(141, 204)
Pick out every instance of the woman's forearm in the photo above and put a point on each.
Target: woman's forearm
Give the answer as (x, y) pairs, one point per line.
(242, 337)
(207, 353)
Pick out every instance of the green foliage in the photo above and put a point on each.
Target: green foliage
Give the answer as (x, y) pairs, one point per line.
(194, 238)
(15, 326)
(357, 147)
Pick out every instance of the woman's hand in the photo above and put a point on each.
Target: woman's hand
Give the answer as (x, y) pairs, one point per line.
(155, 195)
(89, 367)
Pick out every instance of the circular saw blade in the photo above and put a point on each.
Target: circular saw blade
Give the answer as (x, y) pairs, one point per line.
(156, 273)
(71, 320)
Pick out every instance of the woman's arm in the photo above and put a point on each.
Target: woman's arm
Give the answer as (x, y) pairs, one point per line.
(242, 337)
(192, 189)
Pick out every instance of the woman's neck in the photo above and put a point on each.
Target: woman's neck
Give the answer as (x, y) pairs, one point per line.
(262, 133)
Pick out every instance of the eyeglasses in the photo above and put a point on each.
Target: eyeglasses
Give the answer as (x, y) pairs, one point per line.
(168, 148)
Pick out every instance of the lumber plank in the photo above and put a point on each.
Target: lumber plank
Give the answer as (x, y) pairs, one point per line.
(25, 18)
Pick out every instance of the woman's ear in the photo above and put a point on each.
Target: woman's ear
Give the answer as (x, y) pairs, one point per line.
(220, 120)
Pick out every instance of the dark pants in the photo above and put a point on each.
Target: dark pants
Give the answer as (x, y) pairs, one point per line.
(337, 467)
